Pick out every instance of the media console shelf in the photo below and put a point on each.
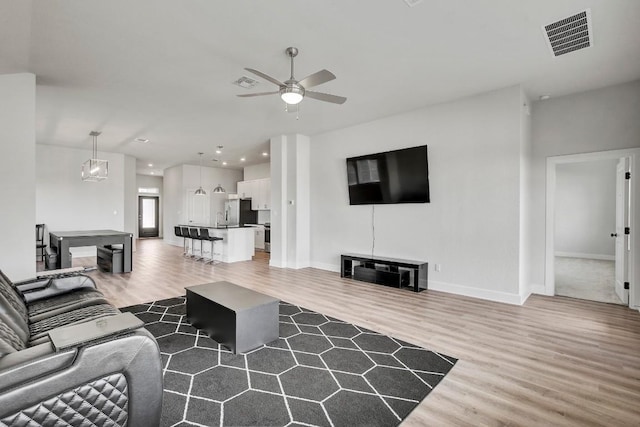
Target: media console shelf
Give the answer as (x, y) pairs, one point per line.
(385, 271)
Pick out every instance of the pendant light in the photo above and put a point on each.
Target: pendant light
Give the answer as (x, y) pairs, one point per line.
(200, 191)
(219, 190)
(95, 169)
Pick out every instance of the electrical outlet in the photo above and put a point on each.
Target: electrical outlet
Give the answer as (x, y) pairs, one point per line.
(437, 268)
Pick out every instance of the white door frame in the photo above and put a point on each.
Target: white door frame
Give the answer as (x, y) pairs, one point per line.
(634, 206)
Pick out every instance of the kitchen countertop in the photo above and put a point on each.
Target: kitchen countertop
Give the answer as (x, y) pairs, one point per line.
(219, 227)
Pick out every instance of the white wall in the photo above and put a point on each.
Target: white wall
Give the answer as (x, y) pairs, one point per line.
(173, 195)
(150, 181)
(262, 170)
(65, 202)
(130, 198)
(526, 242)
(290, 197)
(472, 225)
(586, 209)
(17, 175)
(598, 120)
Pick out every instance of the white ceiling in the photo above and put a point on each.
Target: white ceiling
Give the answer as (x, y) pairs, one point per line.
(162, 69)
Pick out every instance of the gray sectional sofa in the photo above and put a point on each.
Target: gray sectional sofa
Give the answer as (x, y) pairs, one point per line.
(68, 357)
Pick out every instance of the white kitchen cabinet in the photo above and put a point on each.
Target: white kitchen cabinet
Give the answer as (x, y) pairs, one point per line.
(244, 189)
(258, 190)
(256, 196)
(265, 194)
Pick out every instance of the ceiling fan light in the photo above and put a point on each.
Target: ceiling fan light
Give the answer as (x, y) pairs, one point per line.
(291, 95)
(291, 98)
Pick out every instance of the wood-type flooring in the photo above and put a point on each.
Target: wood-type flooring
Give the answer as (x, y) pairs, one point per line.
(554, 361)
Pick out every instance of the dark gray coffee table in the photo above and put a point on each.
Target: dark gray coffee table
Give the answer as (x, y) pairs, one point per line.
(236, 317)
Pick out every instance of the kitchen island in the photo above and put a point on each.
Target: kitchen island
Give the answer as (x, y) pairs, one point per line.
(237, 242)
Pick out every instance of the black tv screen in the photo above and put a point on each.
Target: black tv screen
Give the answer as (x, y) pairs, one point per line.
(399, 176)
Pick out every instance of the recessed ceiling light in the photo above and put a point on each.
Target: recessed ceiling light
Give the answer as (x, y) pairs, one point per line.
(142, 140)
(153, 173)
(544, 97)
(242, 159)
(224, 163)
(265, 154)
(150, 165)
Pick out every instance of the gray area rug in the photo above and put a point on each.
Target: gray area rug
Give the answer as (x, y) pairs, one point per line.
(320, 372)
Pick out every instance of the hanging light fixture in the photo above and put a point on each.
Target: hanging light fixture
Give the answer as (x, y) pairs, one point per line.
(200, 191)
(95, 169)
(219, 190)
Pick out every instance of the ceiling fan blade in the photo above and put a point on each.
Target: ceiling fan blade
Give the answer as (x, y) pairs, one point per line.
(316, 79)
(248, 95)
(325, 97)
(264, 76)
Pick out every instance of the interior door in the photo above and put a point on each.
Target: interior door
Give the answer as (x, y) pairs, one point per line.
(198, 208)
(622, 240)
(148, 216)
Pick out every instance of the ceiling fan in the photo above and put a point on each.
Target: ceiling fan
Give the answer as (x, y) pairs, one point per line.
(292, 91)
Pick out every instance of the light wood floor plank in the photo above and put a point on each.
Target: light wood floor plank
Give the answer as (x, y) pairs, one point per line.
(553, 361)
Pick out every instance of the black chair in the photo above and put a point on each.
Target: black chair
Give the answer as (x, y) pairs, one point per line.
(193, 233)
(178, 232)
(40, 245)
(185, 234)
(204, 235)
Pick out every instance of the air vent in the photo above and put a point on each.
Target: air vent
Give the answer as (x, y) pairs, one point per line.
(245, 82)
(412, 3)
(570, 34)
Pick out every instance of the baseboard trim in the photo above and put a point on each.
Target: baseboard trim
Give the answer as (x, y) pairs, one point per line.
(173, 242)
(538, 289)
(451, 288)
(276, 264)
(586, 256)
(486, 294)
(324, 266)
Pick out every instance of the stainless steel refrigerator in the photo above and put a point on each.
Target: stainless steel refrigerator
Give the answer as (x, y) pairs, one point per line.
(238, 212)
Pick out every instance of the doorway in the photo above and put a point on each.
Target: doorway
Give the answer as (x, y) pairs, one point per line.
(585, 221)
(589, 251)
(148, 216)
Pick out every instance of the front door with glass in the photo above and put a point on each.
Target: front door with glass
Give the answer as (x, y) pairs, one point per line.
(148, 213)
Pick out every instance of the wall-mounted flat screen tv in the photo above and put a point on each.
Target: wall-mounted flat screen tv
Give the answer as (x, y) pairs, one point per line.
(399, 176)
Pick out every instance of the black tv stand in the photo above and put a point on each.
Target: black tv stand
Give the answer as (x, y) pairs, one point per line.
(385, 271)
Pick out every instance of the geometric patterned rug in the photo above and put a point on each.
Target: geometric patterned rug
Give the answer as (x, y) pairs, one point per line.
(320, 372)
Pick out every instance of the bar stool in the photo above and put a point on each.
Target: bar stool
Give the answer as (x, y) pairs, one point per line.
(178, 232)
(187, 245)
(204, 234)
(193, 233)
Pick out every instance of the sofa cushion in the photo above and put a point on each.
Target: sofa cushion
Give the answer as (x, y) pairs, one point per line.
(65, 302)
(38, 330)
(9, 341)
(13, 297)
